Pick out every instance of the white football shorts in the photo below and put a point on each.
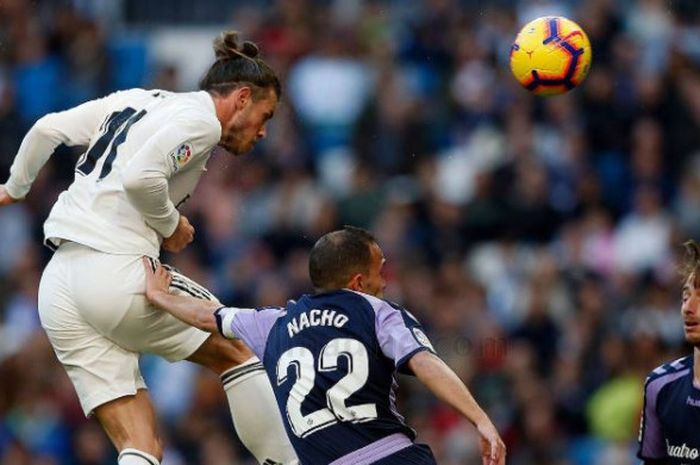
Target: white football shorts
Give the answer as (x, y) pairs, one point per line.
(94, 311)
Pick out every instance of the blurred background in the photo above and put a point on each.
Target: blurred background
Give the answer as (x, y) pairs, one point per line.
(536, 239)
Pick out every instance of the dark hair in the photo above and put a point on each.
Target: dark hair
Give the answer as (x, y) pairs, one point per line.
(338, 255)
(238, 65)
(691, 266)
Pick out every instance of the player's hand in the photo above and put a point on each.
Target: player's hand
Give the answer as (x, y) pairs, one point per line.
(157, 282)
(5, 198)
(493, 450)
(183, 235)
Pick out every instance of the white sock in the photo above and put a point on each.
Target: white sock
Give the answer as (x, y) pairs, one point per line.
(255, 414)
(136, 457)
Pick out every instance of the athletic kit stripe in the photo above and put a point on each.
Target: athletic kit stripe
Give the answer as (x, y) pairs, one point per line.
(183, 283)
(238, 372)
(188, 290)
(133, 452)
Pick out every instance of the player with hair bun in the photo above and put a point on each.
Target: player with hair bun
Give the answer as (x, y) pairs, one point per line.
(145, 153)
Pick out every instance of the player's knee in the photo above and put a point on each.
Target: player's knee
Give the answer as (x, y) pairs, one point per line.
(220, 354)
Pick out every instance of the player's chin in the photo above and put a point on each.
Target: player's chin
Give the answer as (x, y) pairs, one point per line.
(230, 149)
(238, 151)
(692, 338)
(249, 148)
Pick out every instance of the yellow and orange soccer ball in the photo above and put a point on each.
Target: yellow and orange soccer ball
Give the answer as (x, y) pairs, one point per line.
(551, 55)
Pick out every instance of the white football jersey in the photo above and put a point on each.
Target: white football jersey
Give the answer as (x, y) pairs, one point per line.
(146, 150)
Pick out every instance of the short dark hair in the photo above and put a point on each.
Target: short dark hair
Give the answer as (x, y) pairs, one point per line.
(339, 255)
(237, 65)
(691, 265)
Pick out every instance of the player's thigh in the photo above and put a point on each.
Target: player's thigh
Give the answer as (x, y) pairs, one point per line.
(108, 291)
(214, 351)
(145, 328)
(99, 369)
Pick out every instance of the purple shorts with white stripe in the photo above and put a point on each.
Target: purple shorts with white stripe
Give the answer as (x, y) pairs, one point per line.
(416, 454)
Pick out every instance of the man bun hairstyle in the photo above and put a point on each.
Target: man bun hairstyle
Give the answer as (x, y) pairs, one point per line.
(338, 256)
(226, 47)
(237, 65)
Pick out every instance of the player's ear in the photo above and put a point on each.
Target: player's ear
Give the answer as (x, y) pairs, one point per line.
(356, 283)
(244, 95)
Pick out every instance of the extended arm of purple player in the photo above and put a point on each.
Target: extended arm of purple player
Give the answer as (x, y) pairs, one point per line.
(247, 324)
(195, 312)
(402, 339)
(446, 385)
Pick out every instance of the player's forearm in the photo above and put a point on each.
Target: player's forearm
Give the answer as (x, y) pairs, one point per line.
(35, 150)
(195, 312)
(446, 385)
(148, 193)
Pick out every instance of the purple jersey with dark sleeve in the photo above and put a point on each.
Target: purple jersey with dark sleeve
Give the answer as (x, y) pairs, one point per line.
(670, 425)
(332, 360)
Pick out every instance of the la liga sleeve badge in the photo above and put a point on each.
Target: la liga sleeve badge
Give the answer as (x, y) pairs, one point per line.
(180, 156)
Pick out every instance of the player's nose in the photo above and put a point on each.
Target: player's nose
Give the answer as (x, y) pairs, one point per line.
(690, 307)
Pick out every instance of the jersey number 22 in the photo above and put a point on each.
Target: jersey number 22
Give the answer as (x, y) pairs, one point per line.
(302, 361)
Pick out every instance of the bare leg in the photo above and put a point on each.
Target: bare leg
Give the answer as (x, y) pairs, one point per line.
(130, 423)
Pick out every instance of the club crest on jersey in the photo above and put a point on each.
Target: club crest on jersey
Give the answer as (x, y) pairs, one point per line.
(422, 338)
(180, 156)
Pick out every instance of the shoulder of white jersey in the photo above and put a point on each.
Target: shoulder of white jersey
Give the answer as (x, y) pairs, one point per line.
(193, 111)
(128, 94)
(669, 368)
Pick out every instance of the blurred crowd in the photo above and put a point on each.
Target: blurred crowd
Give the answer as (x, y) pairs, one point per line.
(536, 239)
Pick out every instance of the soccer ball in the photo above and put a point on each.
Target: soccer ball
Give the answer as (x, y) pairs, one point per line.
(551, 55)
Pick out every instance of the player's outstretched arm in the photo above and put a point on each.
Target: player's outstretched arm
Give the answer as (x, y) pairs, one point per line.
(5, 197)
(446, 385)
(194, 312)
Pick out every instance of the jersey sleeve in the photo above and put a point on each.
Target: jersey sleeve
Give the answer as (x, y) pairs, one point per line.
(400, 335)
(169, 150)
(71, 127)
(651, 440)
(250, 325)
